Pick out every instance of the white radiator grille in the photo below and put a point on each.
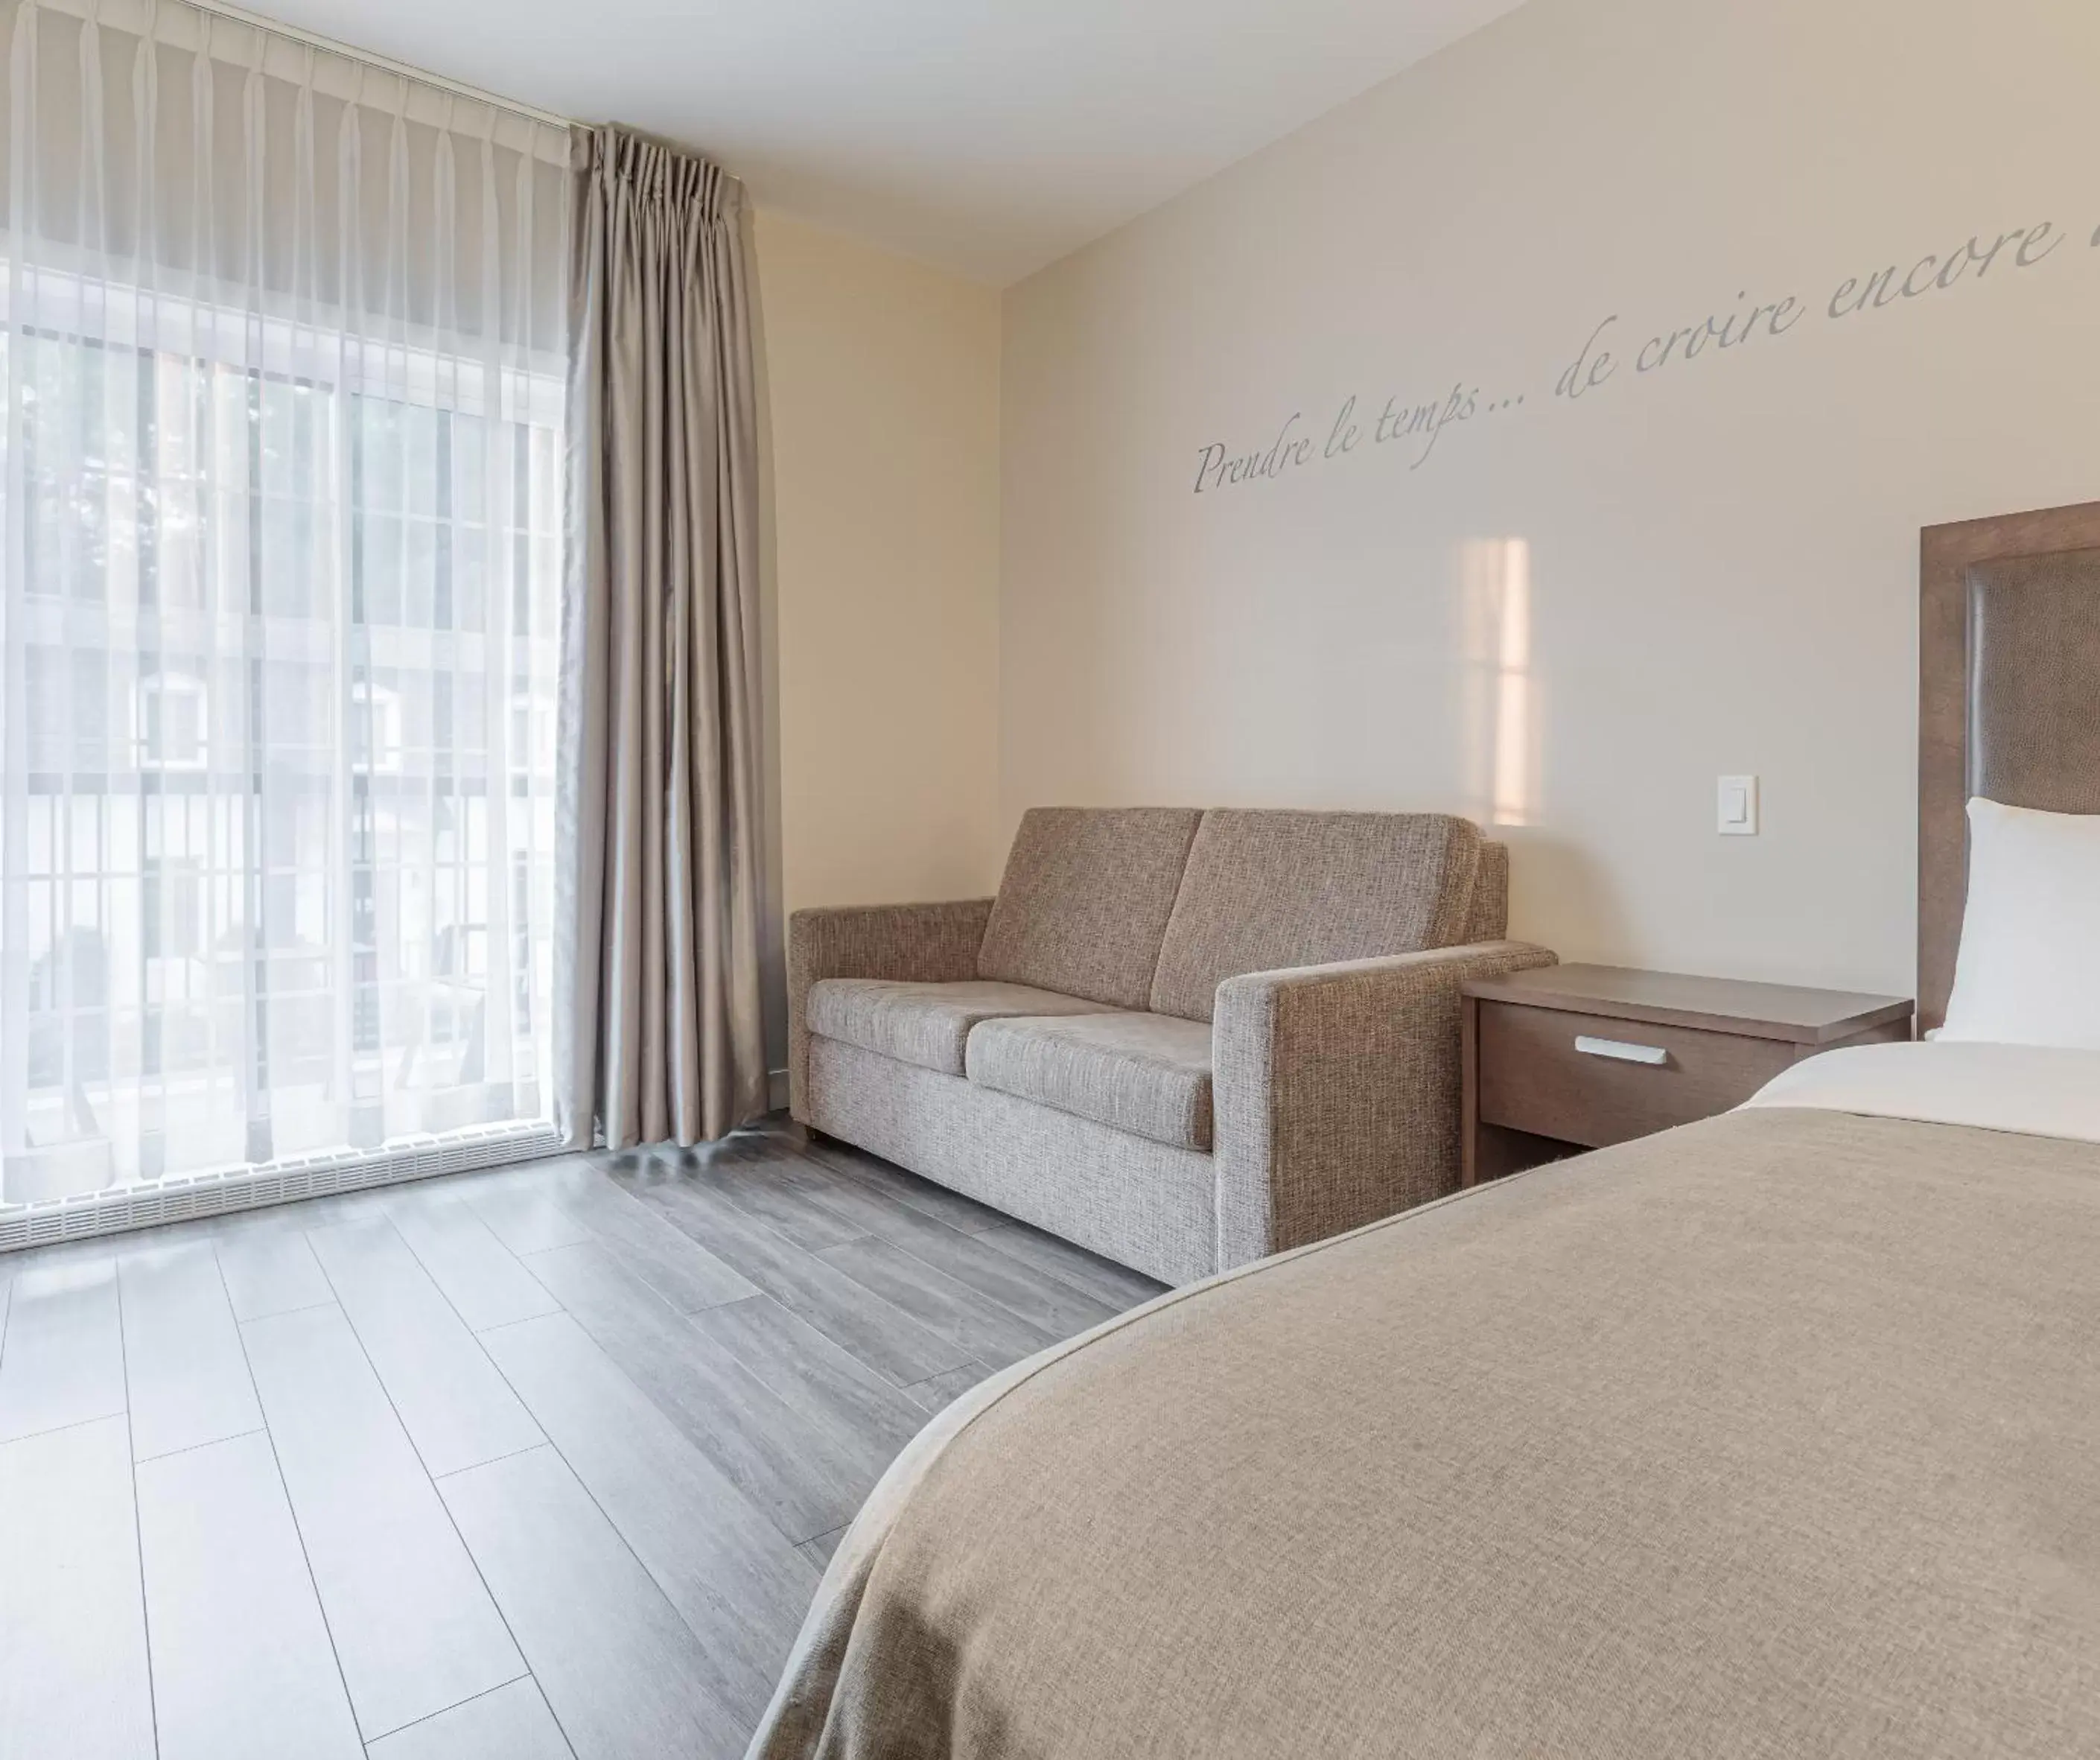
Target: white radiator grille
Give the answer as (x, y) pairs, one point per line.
(183, 1197)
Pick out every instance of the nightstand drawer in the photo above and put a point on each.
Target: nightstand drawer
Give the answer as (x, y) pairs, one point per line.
(1595, 1080)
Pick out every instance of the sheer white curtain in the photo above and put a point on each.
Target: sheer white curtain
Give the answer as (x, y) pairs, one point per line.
(282, 375)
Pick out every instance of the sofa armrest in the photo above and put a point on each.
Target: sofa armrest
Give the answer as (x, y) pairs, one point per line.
(919, 943)
(1336, 1090)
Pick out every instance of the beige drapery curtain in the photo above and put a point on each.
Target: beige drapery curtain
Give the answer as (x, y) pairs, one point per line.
(659, 1027)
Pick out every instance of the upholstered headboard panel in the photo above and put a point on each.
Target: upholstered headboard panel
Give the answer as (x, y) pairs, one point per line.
(2009, 706)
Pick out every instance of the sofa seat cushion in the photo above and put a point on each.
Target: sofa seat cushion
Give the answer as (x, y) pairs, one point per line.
(1146, 1073)
(926, 1024)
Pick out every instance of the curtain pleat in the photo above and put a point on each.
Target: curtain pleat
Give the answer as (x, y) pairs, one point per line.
(657, 994)
(283, 367)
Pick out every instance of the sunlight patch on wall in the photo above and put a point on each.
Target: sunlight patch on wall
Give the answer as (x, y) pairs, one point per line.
(1502, 741)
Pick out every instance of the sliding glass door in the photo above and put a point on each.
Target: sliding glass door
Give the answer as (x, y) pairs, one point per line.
(283, 383)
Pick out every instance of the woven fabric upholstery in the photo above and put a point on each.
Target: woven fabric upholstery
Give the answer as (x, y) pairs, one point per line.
(1149, 1073)
(1337, 1092)
(1770, 1438)
(1328, 1090)
(1266, 890)
(926, 1024)
(1141, 1203)
(925, 943)
(1085, 899)
(1488, 920)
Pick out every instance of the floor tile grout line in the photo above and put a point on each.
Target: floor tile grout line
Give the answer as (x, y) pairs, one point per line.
(910, 1386)
(861, 1290)
(816, 1198)
(652, 1218)
(138, 1536)
(605, 1514)
(521, 1259)
(838, 1528)
(804, 1252)
(684, 1318)
(760, 1222)
(937, 1331)
(591, 1233)
(278, 1313)
(1006, 1224)
(502, 1247)
(432, 1479)
(436, 1486)
(656, 1216)
(842, 1166)
(470, 1699)
(509, 1454)
(1057, 1276)
(847, 1168)
(611, 1249)
(523, 1320)
(877, 1194)
(794, 1152)
(292, 1509)
(977, 1295)
(72, 1423)
(643, 1393)
(1019, 1317)
(388, 1221)
(788, 1395)
(191, 1448)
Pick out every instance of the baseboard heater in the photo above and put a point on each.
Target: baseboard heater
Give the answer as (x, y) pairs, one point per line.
(183, 1198)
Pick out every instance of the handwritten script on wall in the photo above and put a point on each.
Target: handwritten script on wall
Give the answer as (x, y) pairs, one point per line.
(1611, 352)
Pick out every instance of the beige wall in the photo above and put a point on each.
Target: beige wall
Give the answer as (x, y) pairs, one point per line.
(1572, 616)
(881, 400)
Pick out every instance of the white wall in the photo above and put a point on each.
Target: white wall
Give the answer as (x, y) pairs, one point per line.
(881, 401)
(1719, 557)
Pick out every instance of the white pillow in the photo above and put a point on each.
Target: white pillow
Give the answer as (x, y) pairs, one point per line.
(2029, 969)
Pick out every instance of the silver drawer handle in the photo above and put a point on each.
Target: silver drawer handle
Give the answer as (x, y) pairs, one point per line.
(1620, 1049)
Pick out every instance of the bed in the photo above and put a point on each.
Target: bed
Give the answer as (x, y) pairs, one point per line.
(1776, 1435)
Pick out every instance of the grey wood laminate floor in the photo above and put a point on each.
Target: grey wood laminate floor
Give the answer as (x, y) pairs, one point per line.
(540, 1462)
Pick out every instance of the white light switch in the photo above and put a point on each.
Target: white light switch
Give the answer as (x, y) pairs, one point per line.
(1739, 807)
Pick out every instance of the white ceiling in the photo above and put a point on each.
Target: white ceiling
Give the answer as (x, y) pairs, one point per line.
(990, 137)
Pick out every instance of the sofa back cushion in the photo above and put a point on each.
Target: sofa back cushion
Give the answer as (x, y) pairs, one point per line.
(1489, 917)
(1086, 898)
(1266, 889)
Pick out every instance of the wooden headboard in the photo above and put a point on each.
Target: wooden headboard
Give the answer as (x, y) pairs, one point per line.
(2008, 698)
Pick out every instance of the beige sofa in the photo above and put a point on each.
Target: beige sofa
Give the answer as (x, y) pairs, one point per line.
(1185, 1040)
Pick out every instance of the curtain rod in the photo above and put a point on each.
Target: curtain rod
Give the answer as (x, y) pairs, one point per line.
(277, 27)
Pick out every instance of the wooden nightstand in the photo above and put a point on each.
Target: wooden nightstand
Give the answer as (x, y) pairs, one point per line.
(1567, 1057)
